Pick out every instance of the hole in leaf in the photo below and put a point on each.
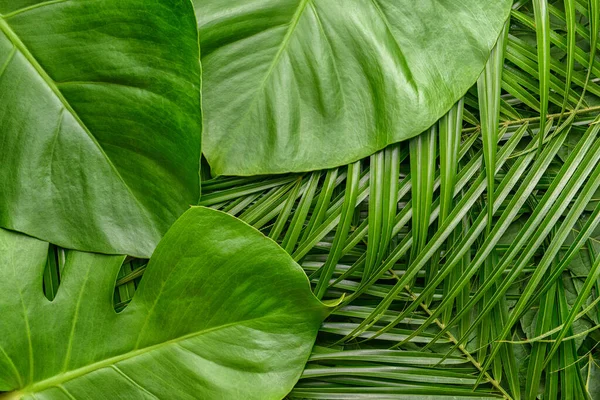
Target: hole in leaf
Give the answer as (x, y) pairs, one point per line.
(54, 267)
(128, 279)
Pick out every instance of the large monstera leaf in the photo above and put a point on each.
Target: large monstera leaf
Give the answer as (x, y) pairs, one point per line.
(221, 313)
(297, 85)
(100, 120)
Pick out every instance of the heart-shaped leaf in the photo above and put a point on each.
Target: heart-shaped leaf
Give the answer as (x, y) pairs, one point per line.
(221, 313)
(297, 85)
(100, 120)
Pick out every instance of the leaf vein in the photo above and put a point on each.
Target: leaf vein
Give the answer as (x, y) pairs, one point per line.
(132, 381)
(16, 41)
(32, 7)
(68, 376)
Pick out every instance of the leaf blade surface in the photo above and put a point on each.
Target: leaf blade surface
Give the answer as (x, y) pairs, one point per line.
(297, 85)
(221, 313)
(101, 122)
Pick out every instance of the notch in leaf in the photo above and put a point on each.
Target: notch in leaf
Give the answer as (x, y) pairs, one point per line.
(222, 312)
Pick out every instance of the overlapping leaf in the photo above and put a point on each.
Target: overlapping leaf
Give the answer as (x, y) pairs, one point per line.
(100, 120)
(298, 85)
(222, 312)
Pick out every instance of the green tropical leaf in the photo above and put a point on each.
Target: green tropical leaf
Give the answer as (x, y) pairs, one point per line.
(299, 85)
(222, 312)
(100, 119)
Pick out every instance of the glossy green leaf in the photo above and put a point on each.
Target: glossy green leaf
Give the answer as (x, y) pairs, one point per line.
(221, 313)
(100, 121)
(297, 85)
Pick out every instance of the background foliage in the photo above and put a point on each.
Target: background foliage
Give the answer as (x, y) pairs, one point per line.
(439, 271)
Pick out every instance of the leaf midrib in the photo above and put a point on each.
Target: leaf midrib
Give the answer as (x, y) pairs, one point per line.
(56, 380)
(20, 46)
(276, 58)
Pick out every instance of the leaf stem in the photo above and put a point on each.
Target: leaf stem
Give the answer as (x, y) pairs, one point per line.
(461, 347)
(536, 119)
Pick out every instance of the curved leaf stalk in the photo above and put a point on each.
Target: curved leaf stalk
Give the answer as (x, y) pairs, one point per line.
(594, 26)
